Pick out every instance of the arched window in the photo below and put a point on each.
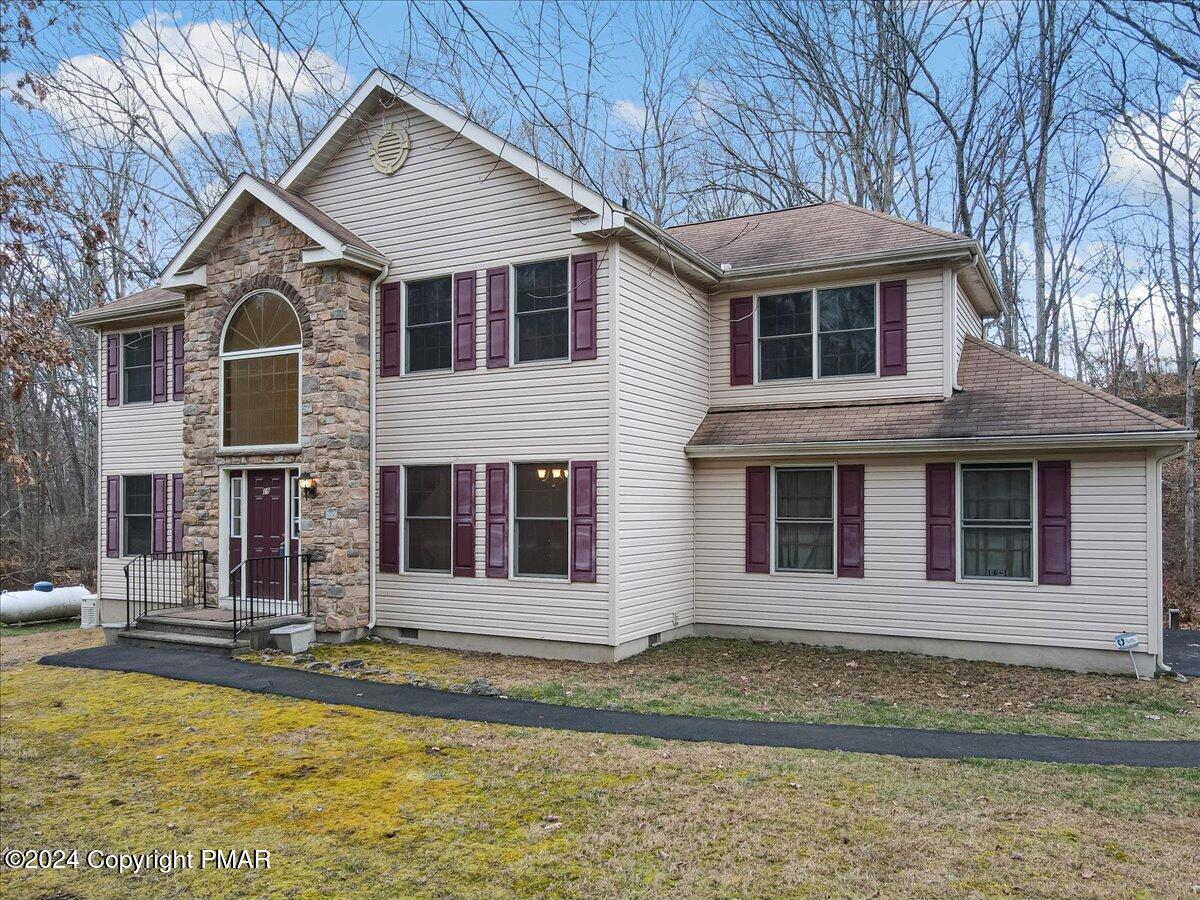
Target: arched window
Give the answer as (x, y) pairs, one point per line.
(260, 368)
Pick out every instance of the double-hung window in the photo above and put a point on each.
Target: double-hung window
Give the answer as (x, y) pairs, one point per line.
(137, 514)
(541, 310)
(427, 324)
(804, 520)
(997, 524)
(827, 332)
(542, 519)
(785, 339)
(427, 518)
(136, 373)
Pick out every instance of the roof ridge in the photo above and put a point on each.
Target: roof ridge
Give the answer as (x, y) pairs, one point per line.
(765, 212)
(920, 226)
(1123, 405)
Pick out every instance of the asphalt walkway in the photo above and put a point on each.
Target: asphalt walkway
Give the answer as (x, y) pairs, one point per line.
(205, 668)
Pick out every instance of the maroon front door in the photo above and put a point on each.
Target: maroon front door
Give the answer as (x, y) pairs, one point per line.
(266, 526)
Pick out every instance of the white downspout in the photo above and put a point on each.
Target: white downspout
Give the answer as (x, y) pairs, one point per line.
(371, 479)
(1160, 460)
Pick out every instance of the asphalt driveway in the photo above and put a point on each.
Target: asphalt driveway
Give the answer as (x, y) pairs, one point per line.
(1181, 649)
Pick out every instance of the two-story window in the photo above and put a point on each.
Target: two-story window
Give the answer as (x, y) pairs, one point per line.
(829, 331)
(136, 366)
(541, 301)
(427, 324)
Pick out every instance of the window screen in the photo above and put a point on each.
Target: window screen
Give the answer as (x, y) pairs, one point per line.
(804, 520)
(542, 298)
(136, 374)
(427, 323)
(542, 520)
(427, 518)
(997, 524)
(138, 508)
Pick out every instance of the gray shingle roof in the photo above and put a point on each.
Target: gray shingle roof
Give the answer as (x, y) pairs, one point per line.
(806, 233)
(150, 300)
(1003, 395)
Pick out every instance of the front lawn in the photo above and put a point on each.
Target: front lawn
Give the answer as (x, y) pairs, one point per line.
(368, 804)
(748, 680)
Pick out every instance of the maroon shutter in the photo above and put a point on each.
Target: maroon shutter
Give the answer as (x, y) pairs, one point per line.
(497, 317)
(177, 362)
(583, 521)
(893, 328)
(464, 321)
(389, 331)
(389, 519)
(496, 501)
(741, 340)
(159, 510)
(176, 513)
(160, 365)
(583, 306)
(850, 502)
(758, 518)
(939, 522)
(112, 369)
(1054, 522)
(464, 521)
(112, 520)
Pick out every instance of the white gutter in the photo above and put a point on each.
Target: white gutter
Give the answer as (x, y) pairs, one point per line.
(921, 445)
(101, 315)
(374, 292)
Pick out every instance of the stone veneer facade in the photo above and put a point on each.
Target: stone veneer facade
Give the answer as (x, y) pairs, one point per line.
(333, 305)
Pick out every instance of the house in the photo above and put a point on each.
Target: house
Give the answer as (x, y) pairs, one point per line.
(429, 388)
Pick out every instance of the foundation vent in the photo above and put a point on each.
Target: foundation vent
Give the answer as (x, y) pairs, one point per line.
(654, 639)
(410, 633)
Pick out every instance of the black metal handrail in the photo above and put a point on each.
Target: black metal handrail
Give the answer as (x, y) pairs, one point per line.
(269, 587)
(155, 581)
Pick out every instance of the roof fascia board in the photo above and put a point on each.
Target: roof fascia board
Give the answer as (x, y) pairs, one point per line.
(197, 277)
(923, 445)
(320, 256)
(493, 143)
(941, 253)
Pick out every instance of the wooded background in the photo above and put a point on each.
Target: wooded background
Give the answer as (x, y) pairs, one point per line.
(1064, 136)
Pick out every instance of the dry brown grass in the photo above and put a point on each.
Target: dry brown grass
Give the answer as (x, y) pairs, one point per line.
(367, 804)
(742, 679)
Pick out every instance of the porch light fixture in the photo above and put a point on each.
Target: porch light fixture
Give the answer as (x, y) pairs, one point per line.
(308, 484)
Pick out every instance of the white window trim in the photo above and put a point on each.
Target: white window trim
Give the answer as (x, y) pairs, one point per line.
(960, 546)
(405, 569)
(406, 356)
(512, 312)
(222, 356)
(805, 573)
(512, 523)
(816, 344)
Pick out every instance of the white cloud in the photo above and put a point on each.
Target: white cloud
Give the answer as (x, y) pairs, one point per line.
(171, 79)
(1132, 145)
(630, 113)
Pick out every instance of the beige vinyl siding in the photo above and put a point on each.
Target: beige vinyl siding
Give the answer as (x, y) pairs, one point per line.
(925, 354)
(662, 397)
(135, 439)
(966, 321)
(453, 208)
(1110, 571)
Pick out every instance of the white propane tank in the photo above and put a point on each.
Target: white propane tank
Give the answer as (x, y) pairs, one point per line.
(42, 606)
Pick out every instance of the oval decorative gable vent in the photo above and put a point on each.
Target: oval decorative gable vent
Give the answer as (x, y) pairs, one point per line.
(389, 149)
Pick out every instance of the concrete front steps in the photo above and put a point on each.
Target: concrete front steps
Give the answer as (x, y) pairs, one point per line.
(206, 629)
